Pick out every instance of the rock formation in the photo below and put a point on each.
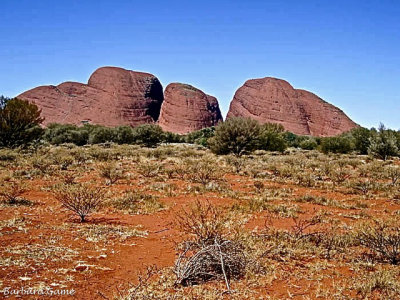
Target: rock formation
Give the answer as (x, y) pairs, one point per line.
(112, 97)
(186, 108)
(299, 111)
(115, 96)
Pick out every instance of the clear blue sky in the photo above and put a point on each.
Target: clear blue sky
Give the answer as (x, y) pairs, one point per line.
(347, 52)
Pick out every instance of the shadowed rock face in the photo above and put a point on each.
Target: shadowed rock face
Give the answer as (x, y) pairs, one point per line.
(301, 112)
(186, 108)
(112, 97)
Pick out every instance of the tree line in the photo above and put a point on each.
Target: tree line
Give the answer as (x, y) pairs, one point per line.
(20, 126)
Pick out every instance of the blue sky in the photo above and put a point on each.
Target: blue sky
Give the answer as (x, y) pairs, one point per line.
(347, 52)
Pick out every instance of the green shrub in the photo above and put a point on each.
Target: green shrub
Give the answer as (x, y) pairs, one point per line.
(101, 135)
(237, 136)
(123, 135)
(336, 144)
(148, 135)
(271, 137)
(170, 137)
(361, 139)
(200, 137)
(57, 134)
(19, 123)
(308, 144)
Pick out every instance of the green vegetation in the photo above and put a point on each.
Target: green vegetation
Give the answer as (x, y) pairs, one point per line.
(244, 135)
(384, 143)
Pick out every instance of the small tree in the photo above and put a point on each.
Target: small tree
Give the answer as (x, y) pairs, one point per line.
(383, 144)
(148, 135)
(3, 101)
(237, 136)
(80, 199)
(19, 123)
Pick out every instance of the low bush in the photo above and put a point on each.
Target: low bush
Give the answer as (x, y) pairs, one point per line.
(271, 137)
(81, 199)
(57, 134)
(200, 137)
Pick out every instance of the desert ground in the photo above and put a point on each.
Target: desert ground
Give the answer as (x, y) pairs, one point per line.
(304, 225)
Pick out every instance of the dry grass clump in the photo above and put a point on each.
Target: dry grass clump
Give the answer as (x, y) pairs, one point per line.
(209, 254)
(138, 203)
(204, 170)
(81, 199)
(42, 164)
(16, 224)
(102, 232)
(11, 194)
(148, 168)
(111, 172)
(237, 163)
(382, 284)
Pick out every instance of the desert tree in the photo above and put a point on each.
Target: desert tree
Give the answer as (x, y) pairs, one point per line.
(383, 144)
(19, 123)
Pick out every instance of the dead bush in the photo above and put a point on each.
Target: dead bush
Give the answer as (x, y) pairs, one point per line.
(220, 260)
(80, 198)
(209, 254)
(382, 239)
(393, 173)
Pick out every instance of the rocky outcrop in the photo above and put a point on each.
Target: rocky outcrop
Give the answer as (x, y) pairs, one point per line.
(186, 108)
(112, 97)
(299, 111)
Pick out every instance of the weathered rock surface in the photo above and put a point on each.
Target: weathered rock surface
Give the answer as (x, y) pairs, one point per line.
(299, 111)
(186, 108)
(112, 97)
